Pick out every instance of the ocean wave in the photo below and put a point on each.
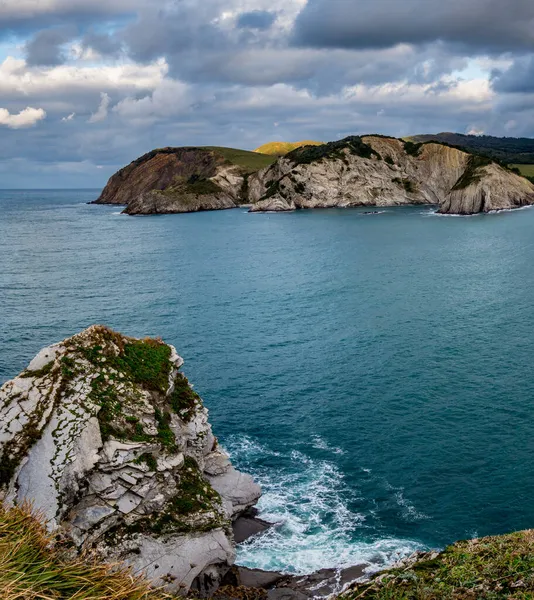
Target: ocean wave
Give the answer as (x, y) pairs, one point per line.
(308, 499)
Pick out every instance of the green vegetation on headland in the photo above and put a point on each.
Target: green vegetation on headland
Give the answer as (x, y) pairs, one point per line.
(333, 150)
(472, 174)
(506, 149)
(35, 566)
(250, 161)
(525, 170)
(489, 568)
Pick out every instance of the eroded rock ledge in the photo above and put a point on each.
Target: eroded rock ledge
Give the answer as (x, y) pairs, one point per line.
(106, 437)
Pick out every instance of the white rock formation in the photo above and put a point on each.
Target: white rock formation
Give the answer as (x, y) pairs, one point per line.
(108, 440)
(386, 172)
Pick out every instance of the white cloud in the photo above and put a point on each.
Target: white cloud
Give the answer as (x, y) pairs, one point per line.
(25, 118)
(17, 78)
(102, 112)
(24, 9)
(169, 99)
(475, 131)
(68, 117)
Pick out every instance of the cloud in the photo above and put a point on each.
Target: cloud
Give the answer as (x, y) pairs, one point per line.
(483, 25)
(131, 75)
(45, 48)
(17, 79)
(517, 78)
(25, 118)
(102, 112)
(256, 19)
(169, 99)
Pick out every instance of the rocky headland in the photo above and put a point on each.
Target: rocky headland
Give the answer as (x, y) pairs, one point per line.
(179, 180)
(382, 171)
(374, 171)
(106, 438)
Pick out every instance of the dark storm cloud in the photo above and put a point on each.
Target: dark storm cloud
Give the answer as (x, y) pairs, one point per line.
(106, 44)
(257, 19)
(485, 25)
(45, 48)
(519, 78)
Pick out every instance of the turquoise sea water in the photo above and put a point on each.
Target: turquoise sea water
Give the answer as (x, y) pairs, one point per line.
(374, 372)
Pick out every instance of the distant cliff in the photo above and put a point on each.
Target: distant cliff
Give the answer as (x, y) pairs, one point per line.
(382, 171)
(107, 439)
(356, 171)
(178, 180)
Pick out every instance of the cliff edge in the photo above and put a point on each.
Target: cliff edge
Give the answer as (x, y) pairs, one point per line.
(107, 439)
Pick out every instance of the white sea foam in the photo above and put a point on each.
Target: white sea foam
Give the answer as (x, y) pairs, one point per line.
(409, 512)
(308, 500)
(321, 444)
(434, 213)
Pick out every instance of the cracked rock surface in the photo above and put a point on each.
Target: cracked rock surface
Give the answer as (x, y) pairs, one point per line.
(105, 436)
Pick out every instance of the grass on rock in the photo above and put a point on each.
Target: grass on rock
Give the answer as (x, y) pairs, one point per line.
(250, 161)
(33, 566)
(489, 568)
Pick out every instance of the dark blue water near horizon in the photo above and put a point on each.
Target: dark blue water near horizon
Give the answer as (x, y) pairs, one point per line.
(373, 372)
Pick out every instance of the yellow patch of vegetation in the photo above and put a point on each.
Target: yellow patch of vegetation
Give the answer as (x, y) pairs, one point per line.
(33, 566)
(283, 148)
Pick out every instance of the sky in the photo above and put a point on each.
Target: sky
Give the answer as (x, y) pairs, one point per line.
(86, 86)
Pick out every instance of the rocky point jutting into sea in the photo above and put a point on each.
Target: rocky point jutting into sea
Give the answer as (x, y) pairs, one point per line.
(105, 437)
(356, 171)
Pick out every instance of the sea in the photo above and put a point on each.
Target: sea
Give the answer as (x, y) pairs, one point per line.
(373, 372)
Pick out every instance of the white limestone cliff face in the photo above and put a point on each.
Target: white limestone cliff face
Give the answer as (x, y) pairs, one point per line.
(491, 188)
(108, 440)
(385, 172)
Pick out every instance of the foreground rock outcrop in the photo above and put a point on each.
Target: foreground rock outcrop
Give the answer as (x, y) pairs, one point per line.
(106, 437)
(179, 180)
(382, 171)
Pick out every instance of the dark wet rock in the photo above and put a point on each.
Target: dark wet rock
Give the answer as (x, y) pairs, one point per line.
(248, 525)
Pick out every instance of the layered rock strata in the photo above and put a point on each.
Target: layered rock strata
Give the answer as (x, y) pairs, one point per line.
(380, 171)
(107, 439)
(176, 180)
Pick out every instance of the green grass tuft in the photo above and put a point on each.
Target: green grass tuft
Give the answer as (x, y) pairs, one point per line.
(34, 566)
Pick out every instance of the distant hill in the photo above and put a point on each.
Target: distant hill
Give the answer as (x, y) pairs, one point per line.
(510, 150)
(283, 148)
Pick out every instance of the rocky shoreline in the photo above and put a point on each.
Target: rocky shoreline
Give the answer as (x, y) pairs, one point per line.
(369, 171)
